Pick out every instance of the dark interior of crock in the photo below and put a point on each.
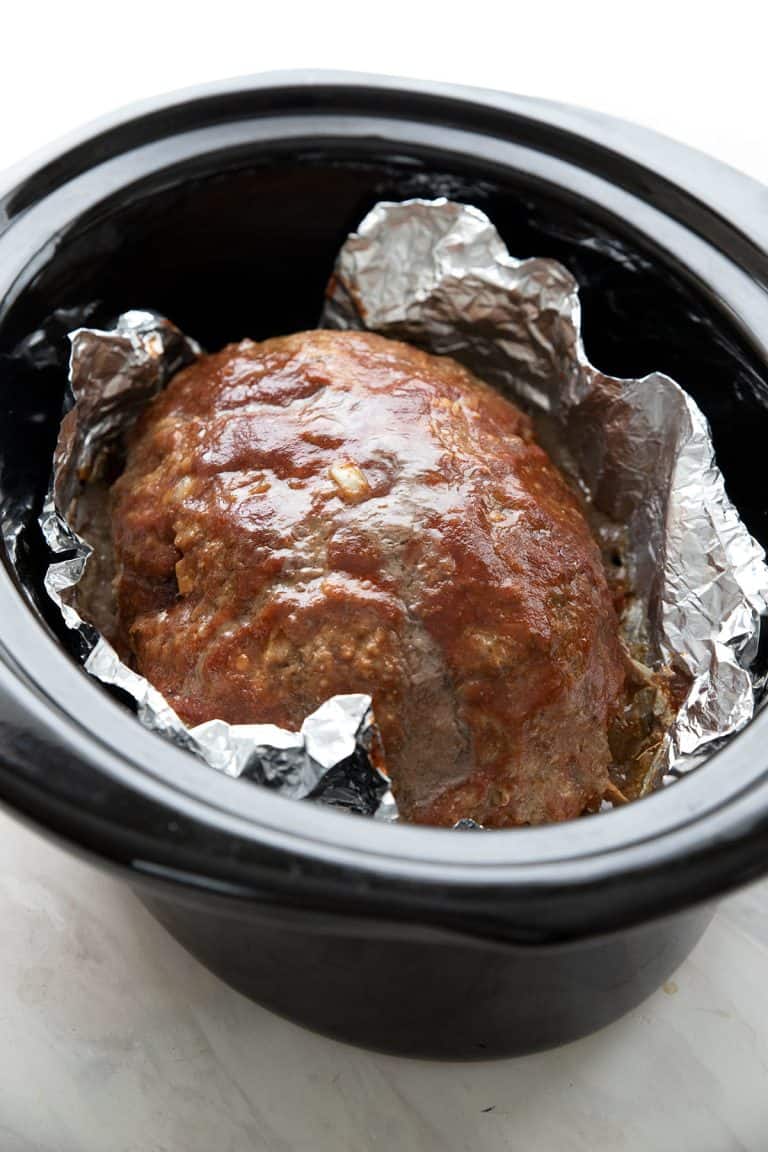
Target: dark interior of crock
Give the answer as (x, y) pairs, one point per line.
(235, 250)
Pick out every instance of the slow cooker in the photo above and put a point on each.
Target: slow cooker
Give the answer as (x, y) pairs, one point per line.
(223, 208)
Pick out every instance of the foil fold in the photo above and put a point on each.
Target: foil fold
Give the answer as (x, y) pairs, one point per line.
(113, 374)
(436, 273)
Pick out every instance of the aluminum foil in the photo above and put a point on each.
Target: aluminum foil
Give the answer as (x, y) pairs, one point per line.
(112, 375)
(436, 273)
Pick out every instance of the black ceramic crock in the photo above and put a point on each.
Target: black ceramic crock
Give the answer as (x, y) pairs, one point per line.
(224, 208)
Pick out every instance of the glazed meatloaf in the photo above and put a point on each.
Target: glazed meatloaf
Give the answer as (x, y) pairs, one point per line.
(334, 512)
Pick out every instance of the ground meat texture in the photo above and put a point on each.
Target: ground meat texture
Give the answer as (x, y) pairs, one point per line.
(335, 512)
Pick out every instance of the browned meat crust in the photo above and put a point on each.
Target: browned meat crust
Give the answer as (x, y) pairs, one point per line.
(336, 512)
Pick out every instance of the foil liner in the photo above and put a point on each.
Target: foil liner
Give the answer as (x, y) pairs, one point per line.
(436, 273)
(112, 376)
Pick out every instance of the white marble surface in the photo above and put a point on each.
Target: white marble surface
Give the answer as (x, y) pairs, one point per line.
(115, 1040)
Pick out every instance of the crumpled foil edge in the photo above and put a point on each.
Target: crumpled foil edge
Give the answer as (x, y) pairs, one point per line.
(112, 375)
(437, 273)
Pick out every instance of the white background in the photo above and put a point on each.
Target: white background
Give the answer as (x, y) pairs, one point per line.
(696, 71)
(113, 1039)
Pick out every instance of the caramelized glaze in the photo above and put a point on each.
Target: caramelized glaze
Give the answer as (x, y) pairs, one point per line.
(335, 512)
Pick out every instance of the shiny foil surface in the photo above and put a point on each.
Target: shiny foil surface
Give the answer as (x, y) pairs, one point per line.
(112, 375)
(437, 274)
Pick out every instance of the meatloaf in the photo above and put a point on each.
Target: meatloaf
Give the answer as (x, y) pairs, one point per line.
(334, 512)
